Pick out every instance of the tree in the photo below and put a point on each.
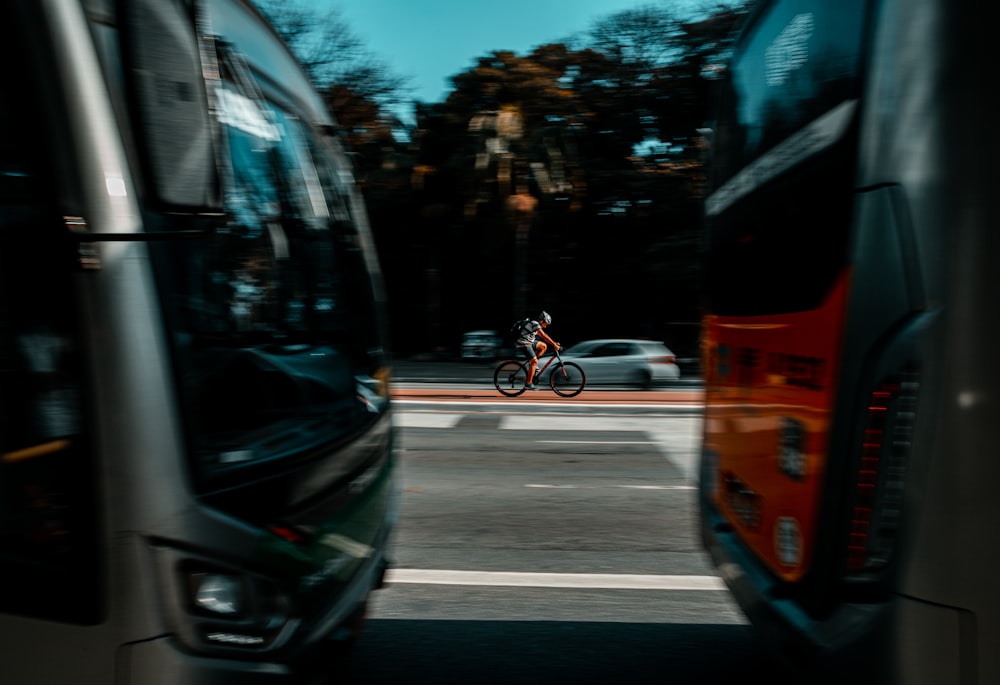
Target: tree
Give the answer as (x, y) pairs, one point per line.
(359, 87)
(639, 40)
(525, 186)
(662, 61)
(541, 198)
(331, 52)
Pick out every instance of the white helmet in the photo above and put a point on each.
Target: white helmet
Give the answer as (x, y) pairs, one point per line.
(544, 316)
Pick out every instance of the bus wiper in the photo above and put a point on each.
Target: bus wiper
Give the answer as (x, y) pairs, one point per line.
(79, 232)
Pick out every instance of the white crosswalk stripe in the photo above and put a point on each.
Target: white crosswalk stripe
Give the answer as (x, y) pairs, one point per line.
(603, 581)
(676, 437)
(585, 423)
(422, 419)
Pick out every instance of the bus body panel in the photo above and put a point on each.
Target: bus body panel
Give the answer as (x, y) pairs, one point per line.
(770, 381)
(946, 583)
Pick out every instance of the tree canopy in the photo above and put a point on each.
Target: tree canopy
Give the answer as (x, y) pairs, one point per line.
(568, 179)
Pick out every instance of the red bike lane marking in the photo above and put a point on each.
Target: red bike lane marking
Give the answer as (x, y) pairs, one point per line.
(543, 395)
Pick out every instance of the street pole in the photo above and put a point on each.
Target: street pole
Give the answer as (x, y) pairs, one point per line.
(521, 208)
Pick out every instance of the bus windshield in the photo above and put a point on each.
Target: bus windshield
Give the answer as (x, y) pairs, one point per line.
(789, 101)
(799, 62)
(273, 315)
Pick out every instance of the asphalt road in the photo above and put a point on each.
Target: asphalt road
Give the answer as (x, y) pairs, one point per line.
(540, 545)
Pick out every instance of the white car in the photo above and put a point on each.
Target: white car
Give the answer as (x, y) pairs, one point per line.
(617, 361)
(481, 345)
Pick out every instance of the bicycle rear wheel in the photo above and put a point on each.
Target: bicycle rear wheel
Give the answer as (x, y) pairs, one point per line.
(567, 379)
(510, 378)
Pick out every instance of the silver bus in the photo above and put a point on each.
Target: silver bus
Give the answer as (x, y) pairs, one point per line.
(851, 308)
(196, 453)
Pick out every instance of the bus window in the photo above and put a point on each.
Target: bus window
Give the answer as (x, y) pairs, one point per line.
(799, 63)
(47, 490)
(790, 101)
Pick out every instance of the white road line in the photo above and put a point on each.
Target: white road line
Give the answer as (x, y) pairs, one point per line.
(599, 442)
(416, 419)
(550, 486)
(594, 581)
(585, 423)
(677, 438)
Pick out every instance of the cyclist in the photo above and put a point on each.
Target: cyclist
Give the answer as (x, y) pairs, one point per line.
(532, 348)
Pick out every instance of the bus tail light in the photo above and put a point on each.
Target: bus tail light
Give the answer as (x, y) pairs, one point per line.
(880, 476)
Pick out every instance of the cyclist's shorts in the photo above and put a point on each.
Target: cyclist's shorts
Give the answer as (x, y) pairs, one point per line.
(528, 351)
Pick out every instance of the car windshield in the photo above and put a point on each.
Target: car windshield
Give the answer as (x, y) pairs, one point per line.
(655, 349)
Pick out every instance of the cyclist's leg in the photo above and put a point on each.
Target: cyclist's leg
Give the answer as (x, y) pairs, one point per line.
(540, 348)
(529, 353)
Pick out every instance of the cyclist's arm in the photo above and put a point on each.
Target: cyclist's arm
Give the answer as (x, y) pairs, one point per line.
(545, 336)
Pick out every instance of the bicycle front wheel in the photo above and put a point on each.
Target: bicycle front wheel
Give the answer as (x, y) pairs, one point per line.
(567, 379)
(510, 378)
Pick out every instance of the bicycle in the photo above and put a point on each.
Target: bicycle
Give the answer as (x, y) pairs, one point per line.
(566, 378)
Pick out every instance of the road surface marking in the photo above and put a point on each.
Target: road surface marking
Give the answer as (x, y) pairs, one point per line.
(599, 442)
(434, 419)
(417, 419)
(592, 581)
(676, 438)
(586, 423)
(594, 487)
(695, 409)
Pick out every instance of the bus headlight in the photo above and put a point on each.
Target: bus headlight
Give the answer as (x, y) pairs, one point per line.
(231, 609)
(218, 593)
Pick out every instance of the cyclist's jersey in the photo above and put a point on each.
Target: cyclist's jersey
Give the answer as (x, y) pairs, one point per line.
(529, 331)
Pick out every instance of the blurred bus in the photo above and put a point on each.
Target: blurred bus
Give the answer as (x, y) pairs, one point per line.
(196, 453)
(851, 309)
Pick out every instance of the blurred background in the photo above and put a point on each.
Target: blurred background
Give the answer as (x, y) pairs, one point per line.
(567, 177)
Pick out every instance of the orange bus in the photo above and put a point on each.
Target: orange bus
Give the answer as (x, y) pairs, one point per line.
(850, 421)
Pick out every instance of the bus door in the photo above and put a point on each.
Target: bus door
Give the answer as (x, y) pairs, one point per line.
(49, 493)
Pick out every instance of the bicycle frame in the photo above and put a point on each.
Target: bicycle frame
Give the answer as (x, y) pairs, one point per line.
(511, 376)
(541, 369)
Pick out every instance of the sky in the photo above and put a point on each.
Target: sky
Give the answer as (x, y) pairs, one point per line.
(432, 40)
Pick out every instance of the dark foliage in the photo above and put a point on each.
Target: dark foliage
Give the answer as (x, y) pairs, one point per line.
(568, 179)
